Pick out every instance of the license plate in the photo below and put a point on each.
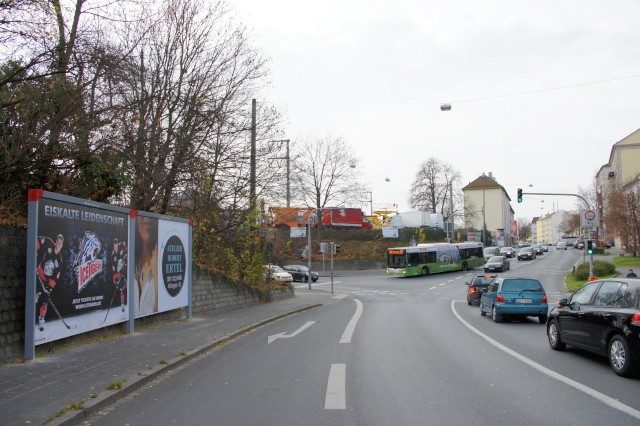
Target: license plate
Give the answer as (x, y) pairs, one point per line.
(524, 301)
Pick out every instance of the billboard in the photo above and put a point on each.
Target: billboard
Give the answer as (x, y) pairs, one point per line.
(80, 256)
(162, 254)
(91, 265)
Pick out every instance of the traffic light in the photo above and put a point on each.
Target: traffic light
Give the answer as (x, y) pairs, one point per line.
(589, 247)
(519, 195)
(337, 248)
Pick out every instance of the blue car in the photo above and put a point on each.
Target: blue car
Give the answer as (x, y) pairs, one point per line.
(515, 297)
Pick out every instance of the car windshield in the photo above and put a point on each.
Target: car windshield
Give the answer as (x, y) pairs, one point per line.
(526, 250)
(495, 259)
(519, 285)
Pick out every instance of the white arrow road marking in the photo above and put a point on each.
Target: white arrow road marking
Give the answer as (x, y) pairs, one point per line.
(284, 335)
(348, 332)
(336, 397)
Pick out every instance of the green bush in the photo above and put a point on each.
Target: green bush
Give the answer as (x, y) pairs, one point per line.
(600, 269)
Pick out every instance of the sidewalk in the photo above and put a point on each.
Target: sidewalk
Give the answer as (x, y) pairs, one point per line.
(34, 392)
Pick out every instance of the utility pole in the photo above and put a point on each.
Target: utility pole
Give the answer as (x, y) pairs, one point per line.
(288, 158)
(451, 235)
(252, 176)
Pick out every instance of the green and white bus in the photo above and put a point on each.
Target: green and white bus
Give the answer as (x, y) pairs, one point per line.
(425, 259)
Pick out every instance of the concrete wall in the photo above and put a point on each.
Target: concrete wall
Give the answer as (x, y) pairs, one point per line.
(211, 294)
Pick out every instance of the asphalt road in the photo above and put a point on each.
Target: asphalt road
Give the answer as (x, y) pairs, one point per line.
(398, 351)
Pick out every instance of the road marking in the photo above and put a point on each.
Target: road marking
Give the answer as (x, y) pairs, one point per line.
(284, 335)
(576, 385)
(336, 396)
(348, 332)
(431, 288)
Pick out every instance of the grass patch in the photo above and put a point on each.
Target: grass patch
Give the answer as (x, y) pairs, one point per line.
(116, 385)
(571, 284)
(162, 361)
(71, 407)
(627, 261)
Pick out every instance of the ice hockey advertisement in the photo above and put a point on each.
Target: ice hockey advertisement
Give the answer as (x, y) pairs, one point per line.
(161, 265)
(81, 269)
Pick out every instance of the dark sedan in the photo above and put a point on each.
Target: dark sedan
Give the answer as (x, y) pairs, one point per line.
(300, 273)
(477, 286)
(497, 264)
(602, 317)
(527, 253)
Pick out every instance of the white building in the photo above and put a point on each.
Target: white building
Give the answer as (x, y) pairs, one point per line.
(487, 202)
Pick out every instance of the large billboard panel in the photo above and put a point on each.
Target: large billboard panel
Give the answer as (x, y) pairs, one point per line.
(162, 254)
(81, 256)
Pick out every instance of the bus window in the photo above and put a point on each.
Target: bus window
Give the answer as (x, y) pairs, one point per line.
(413, 259)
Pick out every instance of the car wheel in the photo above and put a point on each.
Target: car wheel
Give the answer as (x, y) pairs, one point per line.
(482, 312)
(424, 272)
(553, 335)
(496, 316)
(314, 279)
(620, 357)
(542, 319)
(306, 279)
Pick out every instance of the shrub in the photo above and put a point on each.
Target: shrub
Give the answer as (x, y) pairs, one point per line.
(600, 269)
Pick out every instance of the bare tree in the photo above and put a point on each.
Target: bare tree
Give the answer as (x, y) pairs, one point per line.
(188, 90)
(324, 171)
(623, 214)
(432, 186)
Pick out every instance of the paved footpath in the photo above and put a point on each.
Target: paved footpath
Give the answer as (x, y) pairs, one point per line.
(39, 391)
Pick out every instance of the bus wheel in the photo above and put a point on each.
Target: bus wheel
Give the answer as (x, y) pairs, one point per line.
(465, 266)
(425, 271)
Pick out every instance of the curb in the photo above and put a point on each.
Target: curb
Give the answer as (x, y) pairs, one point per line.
(108, 397)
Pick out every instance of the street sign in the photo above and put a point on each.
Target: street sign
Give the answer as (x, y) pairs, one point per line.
(589, 219)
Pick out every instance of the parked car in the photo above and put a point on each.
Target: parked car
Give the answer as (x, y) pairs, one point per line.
(579, 244)
(561, 245)
(477, 286)
(527, 253)
(515, 297)
(490, 251)
(497, 263)
(507, 252)
(538, 249)
(276, 273)
(602, 317)
(300, 273)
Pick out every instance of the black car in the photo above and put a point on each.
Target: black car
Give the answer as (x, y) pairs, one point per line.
(300, 273)
(602, 317)
(538, 248)
(527, 253)
(497, 264)
(477, 286)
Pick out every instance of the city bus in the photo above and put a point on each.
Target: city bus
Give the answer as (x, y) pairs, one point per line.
(425, 259)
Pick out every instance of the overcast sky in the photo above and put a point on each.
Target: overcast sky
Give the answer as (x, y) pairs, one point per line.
(376, 72)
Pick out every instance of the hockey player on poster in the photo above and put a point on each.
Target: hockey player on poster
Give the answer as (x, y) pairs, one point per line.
(49, 270)
(119, 260)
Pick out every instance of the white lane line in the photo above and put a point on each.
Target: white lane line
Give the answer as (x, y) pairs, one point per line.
(336, 396)
(613, 403)
(442, 284)
(348, 332)
(431, 288)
